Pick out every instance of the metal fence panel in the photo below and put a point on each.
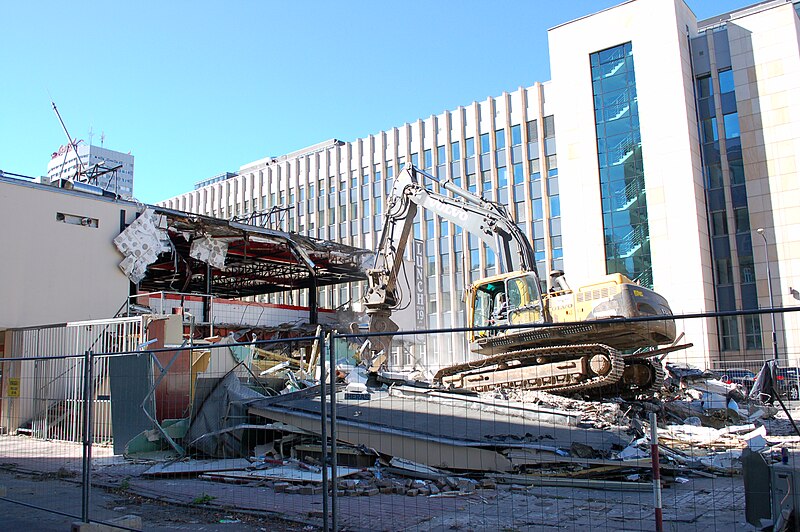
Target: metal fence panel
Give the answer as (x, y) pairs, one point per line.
(297, 427)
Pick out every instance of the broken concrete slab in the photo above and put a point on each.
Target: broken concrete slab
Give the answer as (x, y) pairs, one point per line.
(194, 467)
(448, 435)
(537, 480)
(400, 466)
(492, 404)
(523, 457)
(283, 473)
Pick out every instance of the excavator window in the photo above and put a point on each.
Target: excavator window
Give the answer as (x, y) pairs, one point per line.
(487, 304)
(523, 299)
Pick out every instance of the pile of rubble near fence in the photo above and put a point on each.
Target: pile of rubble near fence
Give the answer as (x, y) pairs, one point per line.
(413, 440)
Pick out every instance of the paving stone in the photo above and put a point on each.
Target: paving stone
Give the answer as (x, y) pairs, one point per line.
(309, 489)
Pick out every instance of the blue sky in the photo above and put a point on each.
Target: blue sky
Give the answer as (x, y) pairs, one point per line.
(193, 89)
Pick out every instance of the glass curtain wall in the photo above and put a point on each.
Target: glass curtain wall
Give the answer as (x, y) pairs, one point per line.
(619, 147)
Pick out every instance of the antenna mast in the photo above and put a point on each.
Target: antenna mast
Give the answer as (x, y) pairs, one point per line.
(71, 144)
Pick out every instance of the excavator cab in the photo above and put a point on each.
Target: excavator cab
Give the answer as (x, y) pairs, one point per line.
(511, 298)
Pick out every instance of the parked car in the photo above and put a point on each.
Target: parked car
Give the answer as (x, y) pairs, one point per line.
(787, 382)
(743, 377)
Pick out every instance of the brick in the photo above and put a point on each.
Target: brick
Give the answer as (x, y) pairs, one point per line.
(310, 490)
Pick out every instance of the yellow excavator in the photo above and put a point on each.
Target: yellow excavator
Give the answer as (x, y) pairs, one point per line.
(601, 338)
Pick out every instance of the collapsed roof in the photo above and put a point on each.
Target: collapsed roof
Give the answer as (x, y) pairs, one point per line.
(169, 250)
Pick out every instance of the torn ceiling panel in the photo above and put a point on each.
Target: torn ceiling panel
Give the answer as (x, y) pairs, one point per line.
(141, 243)
(244, 260)
(210, 250)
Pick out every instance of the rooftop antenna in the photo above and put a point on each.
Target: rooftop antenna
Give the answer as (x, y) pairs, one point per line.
(102, 138)
(71, 143)
(91, 135)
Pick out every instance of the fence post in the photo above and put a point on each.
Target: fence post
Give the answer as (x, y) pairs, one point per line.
(323, 416)
(88, 377)
(656, 472)
(334, 512)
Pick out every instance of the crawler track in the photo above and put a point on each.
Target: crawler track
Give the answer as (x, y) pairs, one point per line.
(574, 373)
(628, 390)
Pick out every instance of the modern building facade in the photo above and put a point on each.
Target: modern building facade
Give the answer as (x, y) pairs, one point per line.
(214, 179)
(111, 170)
(656, 150)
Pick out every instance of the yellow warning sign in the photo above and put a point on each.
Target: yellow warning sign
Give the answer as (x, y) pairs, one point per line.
(13, 387)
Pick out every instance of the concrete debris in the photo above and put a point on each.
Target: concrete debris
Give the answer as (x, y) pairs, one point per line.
(601, 415)
(195, 467)
(283, 473)
(403, 467)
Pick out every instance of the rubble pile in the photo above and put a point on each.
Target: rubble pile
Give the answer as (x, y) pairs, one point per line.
(610, 415)
(369, 485)
(260, 424)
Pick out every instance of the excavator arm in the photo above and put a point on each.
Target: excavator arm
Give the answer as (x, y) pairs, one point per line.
(487, 220)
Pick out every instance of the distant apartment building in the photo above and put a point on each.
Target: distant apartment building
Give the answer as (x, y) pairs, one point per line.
(111, 170)
(656, 150)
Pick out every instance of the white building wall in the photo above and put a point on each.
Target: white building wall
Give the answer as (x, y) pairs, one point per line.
(672, 168)
(54, 271)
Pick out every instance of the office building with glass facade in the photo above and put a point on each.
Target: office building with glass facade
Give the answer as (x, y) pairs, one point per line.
(657, 148)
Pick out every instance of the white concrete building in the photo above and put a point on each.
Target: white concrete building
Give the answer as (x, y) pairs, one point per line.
(657, 149)
(94, 160)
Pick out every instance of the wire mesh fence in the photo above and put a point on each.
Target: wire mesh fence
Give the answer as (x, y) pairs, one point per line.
(323, 432)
